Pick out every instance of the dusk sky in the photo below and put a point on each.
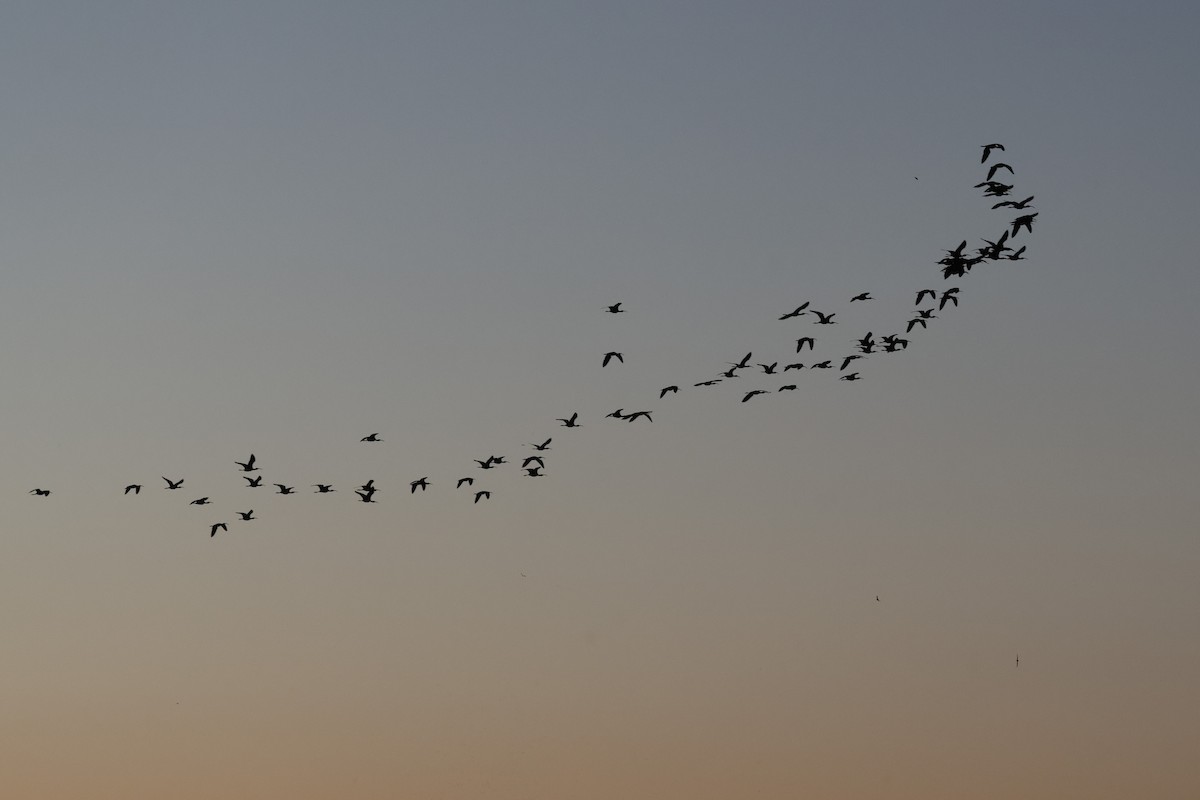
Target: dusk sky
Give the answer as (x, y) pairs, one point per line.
(278, 227)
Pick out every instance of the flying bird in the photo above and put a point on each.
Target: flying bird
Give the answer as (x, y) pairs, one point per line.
(610, 356)
(533, 472)
(285, 489)
(853, 376)
(949, 296)
(797, 365)
(543, 446)
(136, 488)
(997, 166)
(863, 296)
(1015, 204)
(921, 294)
(40, 492)
(797, 313)
(615, 308)
(467, 481)
(423, 483)
(806, 340)
(988, 148)
(173, 484)
(220, 526)
(483, 493)
(672, 389)
(713, 382)
(619, 414)
(201, 501)
(246, 515)
(324, 488)
(846, 361)
(1025, 222)
(247, 466)
(791, 387)
(529, 460)
(374, 437)
(636, 414)
(743, 364)
(570, 422)
(250, 482)
(824, 319)
(769, 369)
(754, 392)
(365, 495)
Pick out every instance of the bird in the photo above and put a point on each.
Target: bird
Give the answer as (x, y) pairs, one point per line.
(252, 482)
(672, 389)
(1015, 203)
(619, 413)
(713, 382)
(374, 437)
(570, 422)
(497, 459)
(543, 446)
(1025, 222)
(743, 364)
(863, 296)
(853, 376)
(805, 340)
(246, 515)
(730, 373)
(791, 387)
(825, 319)
(753, 392)
(529, 460)
(369, 486)
(324, 488)
(484, 493)
(821, 365)
(1016, 255)
(988, 148)
(797, 365)
(533, 472)
(173, 484)
(365, 495)
(916, 321)
(285, 489)
(949, 296)
(247, 466)
(615, 308)
(136, 488)
(769, 369)
(467, 481)
(636, 414)
(994, 188)
(220, 526)
(40, 492)
(485, 464)
(423, 483)
(610, 356)
(846, 361)
(201, 501)
(921, 294)
(997, 166)
(797, 313)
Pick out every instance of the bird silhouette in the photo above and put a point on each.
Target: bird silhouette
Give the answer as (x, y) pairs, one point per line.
(791, 387)
(863, 296)
(484, 493)
(1025, 222)
(949, 296)
(285, 489)
(846, 362)
(672, 389)
(805, 340)
(365, 496)
(533, 472)
(797, 365)
(543, 446)
(530, 459)
(921, 294)
(374, 437)
(423, 483)
(173, 484)
(252, 482)
(754, 392)
(610, 356)
(246, 515)
(40, 492)
(988, 148)
(467, 481)
(200, 501)
(797, 313)
(1015, 204)
(619, 413)
(637, 414)
(769, 369)
(323, 488)
(998, 166)
(853, 376)
(615, 308)
(570, 421)
(247, 466)
(825, 319)
(220, 526)
(136, 488)
(713, 382)
(743, 364)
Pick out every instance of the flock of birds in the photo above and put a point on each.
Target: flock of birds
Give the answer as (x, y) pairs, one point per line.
(956, 263)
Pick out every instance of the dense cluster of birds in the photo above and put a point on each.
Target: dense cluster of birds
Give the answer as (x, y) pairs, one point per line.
(956, 263)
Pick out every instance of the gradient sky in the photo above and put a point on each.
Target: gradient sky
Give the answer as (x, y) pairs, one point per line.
(276, 227)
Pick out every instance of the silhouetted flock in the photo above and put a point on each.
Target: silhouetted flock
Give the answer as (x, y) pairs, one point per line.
(957, 263)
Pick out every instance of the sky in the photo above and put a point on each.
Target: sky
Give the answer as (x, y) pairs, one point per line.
(276, 228)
